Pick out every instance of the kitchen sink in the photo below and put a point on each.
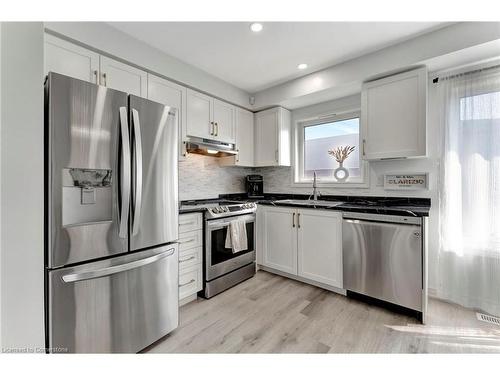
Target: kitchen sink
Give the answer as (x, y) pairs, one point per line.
(309, 202)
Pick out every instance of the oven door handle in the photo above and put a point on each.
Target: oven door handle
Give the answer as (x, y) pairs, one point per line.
(217, 226)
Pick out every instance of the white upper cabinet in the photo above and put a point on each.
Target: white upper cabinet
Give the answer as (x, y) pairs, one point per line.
(199, 115)
(394, 115)
(169, 93)
(123, 77)
(272, 137)
(244, 140)
(224, 121)
(210, 118)
(78, 62)
(319, 246)
(69, 59)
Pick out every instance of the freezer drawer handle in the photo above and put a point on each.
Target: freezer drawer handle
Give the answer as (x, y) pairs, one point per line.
(125, 193)
(72, 277)
(138, 172)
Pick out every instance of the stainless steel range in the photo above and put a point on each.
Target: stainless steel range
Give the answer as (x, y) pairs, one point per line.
(223, 268)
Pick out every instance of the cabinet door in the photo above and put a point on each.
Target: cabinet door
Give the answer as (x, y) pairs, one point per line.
(163, 91)
(69, 59)
(279, 239)
(266, 138)
(199, 115)
(123, 77)
(223, 118)
(284, 137)
(244, 138)
(393, 116)
(319, 246)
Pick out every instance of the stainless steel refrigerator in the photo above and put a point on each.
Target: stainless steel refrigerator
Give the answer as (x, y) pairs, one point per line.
(111, 218)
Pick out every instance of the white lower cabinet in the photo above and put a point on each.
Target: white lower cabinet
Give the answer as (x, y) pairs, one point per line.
(319, 246)
(279, 238)
(189, 281)
(301, 242)
(190, 256)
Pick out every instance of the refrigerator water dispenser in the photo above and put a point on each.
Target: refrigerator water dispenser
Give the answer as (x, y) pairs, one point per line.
(87, 196)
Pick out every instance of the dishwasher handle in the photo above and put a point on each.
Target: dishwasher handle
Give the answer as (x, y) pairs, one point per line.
(352, 217)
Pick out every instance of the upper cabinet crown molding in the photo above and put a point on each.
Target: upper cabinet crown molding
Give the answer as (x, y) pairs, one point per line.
(272, 137)
(394, 116)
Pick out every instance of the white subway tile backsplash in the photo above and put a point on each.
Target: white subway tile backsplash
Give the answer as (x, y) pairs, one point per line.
(201, 177)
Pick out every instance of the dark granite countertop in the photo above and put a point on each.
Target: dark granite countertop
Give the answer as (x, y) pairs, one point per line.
(401, 206)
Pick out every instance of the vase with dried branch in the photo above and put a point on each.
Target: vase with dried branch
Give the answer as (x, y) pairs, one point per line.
(340, 154)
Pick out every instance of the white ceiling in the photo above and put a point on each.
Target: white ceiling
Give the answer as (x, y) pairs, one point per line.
(256, 61)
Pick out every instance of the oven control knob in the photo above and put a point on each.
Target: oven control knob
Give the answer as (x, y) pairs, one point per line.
(215, 210)
(224, 208)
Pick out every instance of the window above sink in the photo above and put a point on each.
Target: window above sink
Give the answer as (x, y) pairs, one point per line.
(316, 141)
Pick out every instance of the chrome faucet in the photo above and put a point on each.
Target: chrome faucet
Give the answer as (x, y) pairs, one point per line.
(315, 193)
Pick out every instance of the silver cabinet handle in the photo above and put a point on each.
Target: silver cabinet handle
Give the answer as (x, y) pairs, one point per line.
(125, 163)
(276, 156)
(212, 128)
(298, 220)
(216, 129)
(96, 73)
(72, 277)
(138, 172)
(189, 282)
(293, 220)
(364, 143)
(105, 79)
(187, 259)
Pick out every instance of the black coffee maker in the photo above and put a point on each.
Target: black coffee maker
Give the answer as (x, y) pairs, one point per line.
(255, 186)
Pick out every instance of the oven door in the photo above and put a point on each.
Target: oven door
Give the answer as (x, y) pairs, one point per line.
(219, 260)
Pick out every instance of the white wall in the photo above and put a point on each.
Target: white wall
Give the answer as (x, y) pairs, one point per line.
(346, 78)
(106, 38)
(279, 179)
(21, 194)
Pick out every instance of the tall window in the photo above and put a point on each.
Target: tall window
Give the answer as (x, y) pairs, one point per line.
(316, 143)
(469, 252)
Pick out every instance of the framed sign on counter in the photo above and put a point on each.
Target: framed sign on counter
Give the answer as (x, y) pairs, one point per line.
(406, 181)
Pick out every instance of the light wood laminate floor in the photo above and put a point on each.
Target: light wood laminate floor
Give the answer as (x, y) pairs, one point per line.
(273, 314)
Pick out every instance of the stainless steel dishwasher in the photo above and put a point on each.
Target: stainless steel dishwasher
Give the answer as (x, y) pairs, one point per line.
(383, 257)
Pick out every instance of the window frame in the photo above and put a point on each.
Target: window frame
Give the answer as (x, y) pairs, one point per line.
(298, 152)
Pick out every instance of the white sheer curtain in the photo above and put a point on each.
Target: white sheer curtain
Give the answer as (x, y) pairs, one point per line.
(469, 254)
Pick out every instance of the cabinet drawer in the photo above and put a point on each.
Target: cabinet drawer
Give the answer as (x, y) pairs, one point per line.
(190, 258)
(190, 281)
(189, 222)
(190, 240)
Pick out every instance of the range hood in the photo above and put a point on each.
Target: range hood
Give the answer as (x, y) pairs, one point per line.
(210, 147)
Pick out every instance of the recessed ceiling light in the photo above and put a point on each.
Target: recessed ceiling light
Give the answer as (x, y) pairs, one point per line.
(302, 66)
(256, 27)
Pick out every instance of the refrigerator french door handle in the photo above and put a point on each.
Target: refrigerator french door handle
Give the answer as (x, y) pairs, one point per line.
(138, 172)
(125, 188)
(73, 277)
